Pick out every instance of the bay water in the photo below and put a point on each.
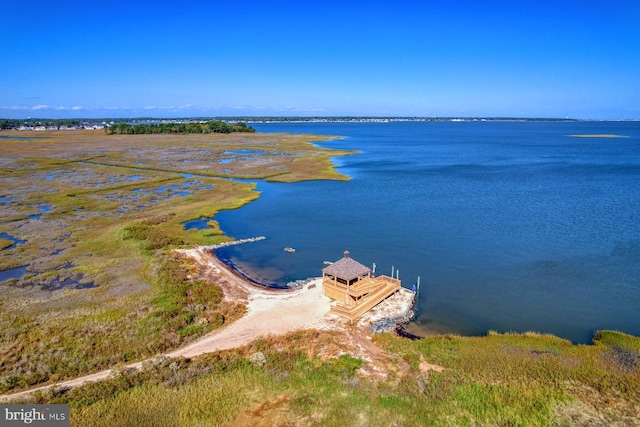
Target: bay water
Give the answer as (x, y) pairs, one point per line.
(511, 226)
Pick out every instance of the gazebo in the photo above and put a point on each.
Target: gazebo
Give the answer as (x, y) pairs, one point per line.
(353, 289)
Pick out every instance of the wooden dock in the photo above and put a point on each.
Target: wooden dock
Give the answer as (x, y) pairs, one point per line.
(361, 296)
(353, 288)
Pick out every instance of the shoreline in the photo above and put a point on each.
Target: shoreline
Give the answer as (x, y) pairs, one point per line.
(390, 317)
(269, 312)
(402, 312)
(234, 270)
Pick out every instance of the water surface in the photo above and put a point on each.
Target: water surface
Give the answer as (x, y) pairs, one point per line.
(511, 226)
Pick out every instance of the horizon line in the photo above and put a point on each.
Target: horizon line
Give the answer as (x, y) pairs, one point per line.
(319, 117)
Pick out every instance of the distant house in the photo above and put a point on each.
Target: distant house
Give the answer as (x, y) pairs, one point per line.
(353, 289)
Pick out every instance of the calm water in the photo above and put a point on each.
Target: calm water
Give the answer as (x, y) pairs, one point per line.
(511, 226)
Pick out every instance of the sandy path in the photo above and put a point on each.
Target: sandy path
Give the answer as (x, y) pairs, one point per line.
(268, 312)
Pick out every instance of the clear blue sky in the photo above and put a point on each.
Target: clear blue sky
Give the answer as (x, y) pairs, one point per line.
(577, 59)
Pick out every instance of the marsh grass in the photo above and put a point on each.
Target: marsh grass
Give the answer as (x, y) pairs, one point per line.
(5, 243)
(527, 379)
(515, 380)
(111, 225)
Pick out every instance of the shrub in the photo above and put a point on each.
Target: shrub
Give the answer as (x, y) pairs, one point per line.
(152, 237)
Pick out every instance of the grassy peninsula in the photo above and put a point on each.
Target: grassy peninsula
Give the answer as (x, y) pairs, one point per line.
(94, 219)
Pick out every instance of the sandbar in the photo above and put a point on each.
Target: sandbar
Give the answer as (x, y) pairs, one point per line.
(597, 135)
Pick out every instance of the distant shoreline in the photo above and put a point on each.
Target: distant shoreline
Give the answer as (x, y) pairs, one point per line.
(101, 123)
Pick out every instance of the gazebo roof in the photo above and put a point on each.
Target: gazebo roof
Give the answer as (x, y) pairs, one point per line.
(346, 268)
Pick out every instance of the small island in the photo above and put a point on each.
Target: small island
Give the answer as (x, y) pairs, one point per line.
(597, 135)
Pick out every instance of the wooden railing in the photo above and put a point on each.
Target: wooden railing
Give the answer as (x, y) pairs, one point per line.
(362, 287)
(372, 292)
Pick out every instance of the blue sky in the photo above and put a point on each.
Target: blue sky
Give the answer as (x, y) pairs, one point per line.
(577, 59)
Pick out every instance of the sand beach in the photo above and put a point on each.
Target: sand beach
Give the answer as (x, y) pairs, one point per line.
(270, 312)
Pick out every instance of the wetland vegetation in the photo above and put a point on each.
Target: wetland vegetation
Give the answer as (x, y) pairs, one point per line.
(309, 378)
(96, 285)
(88, 221)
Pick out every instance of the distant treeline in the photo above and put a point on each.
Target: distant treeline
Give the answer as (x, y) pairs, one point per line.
(16, 123)
(213, 126)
